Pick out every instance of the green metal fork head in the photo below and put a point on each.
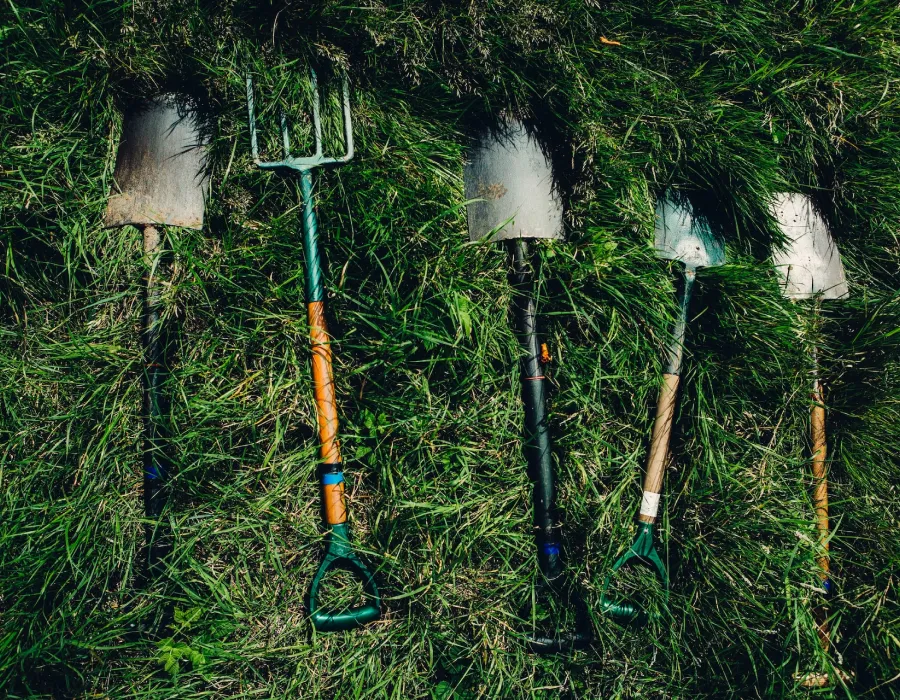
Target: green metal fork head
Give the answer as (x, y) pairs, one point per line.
(318, 159)
(642, 552)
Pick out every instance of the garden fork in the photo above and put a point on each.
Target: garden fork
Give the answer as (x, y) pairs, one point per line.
(339, 552)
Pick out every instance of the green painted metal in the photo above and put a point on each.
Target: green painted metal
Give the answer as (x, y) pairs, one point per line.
(643, 552)
(317, 159)
(339, 553)
(314, 285)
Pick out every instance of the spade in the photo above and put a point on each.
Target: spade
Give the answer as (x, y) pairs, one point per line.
(680, 236)
(810, 267)
(511, 198)
(160, 180)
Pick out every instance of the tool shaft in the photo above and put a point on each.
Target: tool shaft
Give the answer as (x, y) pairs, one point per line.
(820, 477)
(331, 468)
(155, 405)
(820, 499)
(665, 405)
(538, 447)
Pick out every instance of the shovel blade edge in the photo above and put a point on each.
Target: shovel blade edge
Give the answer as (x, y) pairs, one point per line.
(679, 235)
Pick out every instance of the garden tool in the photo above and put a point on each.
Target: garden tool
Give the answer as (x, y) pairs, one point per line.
(678, 236)
(511, 198)
(339, 553)
(810, 268)
(160, 180)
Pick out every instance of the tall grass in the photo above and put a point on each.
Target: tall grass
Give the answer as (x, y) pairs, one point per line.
(727, 102)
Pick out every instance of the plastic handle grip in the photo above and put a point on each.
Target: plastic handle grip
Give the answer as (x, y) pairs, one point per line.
(643, 552)
(559, 642)
(346, 620)
(340, 555)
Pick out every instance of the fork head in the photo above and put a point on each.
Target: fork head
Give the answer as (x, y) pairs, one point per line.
(305, 163)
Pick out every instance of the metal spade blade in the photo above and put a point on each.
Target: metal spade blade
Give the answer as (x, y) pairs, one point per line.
(810, 264)
(160, 175)
(680, 236)
(512, 176)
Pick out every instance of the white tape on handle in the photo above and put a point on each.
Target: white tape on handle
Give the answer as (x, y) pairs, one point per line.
(650, 504)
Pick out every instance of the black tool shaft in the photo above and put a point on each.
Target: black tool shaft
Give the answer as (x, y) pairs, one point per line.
(155, 404)
(538, 447)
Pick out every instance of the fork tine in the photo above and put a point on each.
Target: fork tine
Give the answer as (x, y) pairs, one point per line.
(285, 137)
(254, 146)
(317, 122)
(317, 159)
(348, 122)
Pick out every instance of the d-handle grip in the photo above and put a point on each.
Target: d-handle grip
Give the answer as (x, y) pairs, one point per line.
(642, 552)
(561, 586)
(340, 555)
(560, 644)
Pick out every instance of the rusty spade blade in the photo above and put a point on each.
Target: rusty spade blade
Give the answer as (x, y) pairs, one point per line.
(160, 175)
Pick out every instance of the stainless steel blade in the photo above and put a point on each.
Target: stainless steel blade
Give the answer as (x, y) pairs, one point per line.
(512, 180)
(161, 175)
(678, 235)
(810, 264)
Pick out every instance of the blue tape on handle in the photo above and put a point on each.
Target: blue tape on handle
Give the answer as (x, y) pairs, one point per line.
(551, 548)
(329, 479)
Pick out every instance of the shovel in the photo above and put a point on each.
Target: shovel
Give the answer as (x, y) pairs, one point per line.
(810, 268)
(678, 236)
(161, 180)
(339, 553)
(511, 198)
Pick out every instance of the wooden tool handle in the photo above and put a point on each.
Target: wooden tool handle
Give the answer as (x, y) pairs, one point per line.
(326, 407)
(820, 488)
(659, 447)
(820, 500)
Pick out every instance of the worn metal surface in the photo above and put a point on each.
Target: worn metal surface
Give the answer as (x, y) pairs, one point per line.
(513, 179)
(161, 175)
(810, 264)
(680, 236)
(316, 160)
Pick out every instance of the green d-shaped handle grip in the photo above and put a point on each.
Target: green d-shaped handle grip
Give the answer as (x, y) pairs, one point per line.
(340, 555)
(642, 552)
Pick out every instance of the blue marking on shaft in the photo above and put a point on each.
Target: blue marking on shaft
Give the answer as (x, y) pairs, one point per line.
(328, 479)
(154, 472)
(551, 548)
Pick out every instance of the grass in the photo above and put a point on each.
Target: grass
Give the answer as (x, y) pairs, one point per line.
(727, 102)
